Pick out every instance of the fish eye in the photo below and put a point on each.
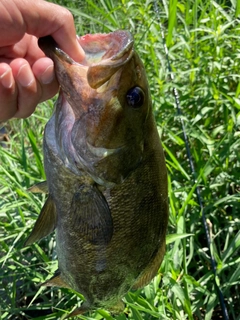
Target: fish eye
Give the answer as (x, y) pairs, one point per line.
(135, 97)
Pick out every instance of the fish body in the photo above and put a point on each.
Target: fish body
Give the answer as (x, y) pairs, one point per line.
(106, 173)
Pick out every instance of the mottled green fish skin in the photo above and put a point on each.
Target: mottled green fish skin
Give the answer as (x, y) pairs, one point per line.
(106, 173)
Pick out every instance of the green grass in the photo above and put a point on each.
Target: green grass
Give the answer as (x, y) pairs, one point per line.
(203, 38)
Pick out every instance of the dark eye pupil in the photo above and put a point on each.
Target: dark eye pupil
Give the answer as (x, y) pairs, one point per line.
(135, 97)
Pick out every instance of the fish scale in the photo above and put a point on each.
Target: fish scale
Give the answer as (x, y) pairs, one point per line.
(106, 174)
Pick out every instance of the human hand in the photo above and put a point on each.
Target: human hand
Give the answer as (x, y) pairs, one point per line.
(26, 74)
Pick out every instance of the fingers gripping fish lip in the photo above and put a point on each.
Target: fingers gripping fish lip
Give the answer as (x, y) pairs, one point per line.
(98, 47)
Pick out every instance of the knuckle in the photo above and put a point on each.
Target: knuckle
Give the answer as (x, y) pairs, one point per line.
(67, 15)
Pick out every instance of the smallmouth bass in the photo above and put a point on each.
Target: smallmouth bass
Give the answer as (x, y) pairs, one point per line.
(106, 174)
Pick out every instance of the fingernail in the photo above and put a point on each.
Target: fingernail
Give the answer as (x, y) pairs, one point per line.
(25, 76)
(48, 75)
(7, 79)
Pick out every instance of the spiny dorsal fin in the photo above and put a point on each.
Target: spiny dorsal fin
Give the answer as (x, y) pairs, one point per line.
(56, 281)
(45, 223)
(40, 187)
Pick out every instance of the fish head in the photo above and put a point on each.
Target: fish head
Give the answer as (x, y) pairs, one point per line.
(103, 106)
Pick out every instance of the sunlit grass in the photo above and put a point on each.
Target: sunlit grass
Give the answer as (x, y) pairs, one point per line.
(203, 39)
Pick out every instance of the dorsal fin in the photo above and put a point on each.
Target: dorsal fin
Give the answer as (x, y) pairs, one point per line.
(45, 223)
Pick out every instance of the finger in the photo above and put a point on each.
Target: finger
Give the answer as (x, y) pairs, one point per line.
(8, 93)
(27, 88)
(35, 84)
(69, 43)
(26, 48)
(43, 70)
(29, 92)
(46, 18)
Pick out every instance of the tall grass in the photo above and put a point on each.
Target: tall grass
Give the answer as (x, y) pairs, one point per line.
(203, 38)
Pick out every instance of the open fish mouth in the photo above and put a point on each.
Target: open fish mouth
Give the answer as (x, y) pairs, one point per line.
(105, 54)
(111, 46)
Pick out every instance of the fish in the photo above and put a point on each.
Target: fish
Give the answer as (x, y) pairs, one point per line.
(106, 173)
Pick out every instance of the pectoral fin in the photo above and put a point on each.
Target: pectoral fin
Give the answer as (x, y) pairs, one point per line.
(116, 309)
(91, 215)
(45, 223)
(40, 187)
(56, 281)
(76, 312)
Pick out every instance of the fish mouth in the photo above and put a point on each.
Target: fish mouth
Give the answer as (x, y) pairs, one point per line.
(102, 46)
(104, 55)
